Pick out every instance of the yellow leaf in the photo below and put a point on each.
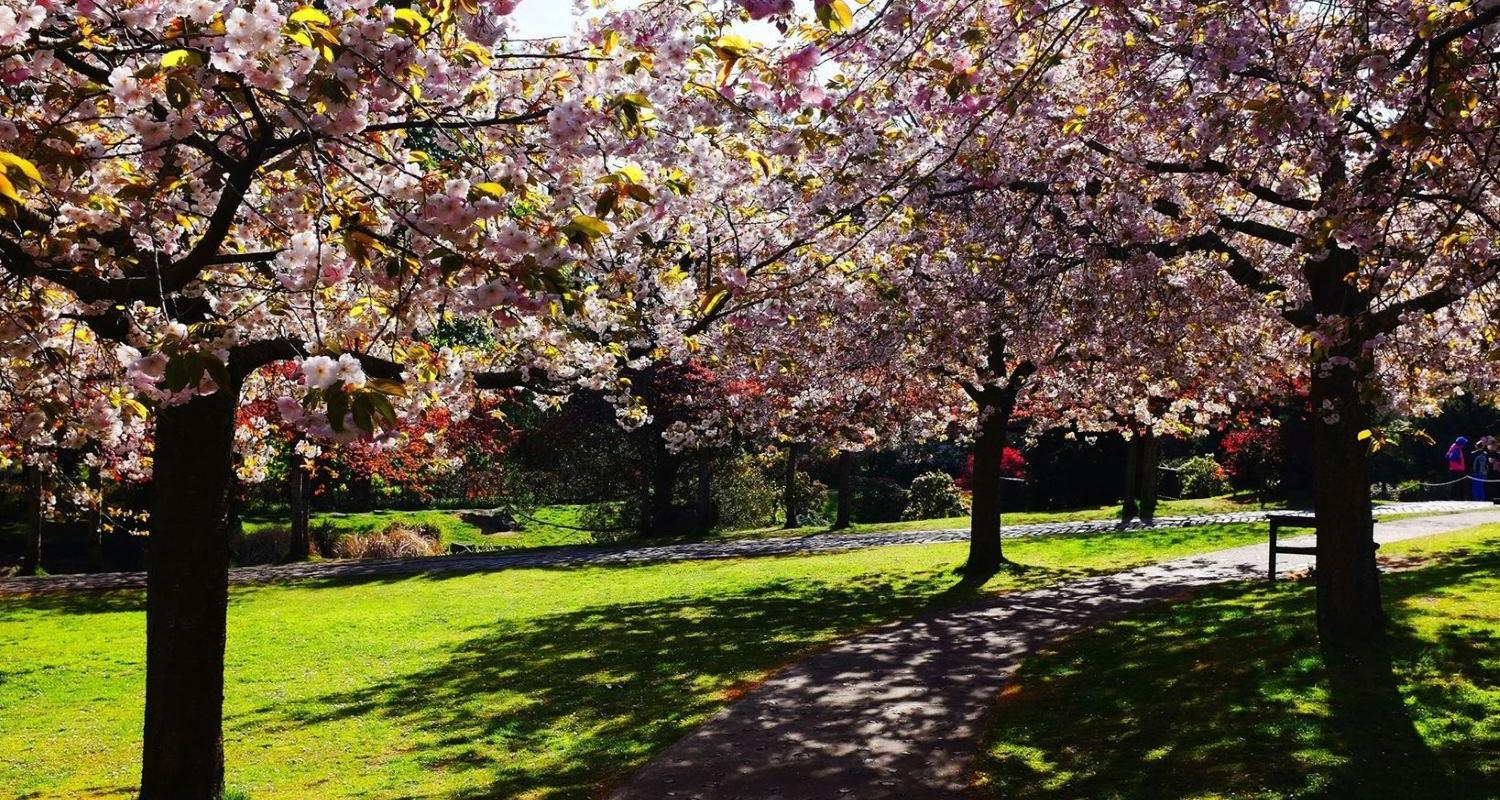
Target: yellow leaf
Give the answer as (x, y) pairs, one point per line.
(308, 14)
(591, 227)
(414, 19)
(760, 161)
(479, 53)
(734, 45)
(490, 188)
(1364, 434)
(8, 189)
(26, 167)
(176, 58)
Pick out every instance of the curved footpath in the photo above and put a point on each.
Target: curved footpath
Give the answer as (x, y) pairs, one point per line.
(591, 556)
(899, 712)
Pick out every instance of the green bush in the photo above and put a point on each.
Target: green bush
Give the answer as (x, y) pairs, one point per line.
(878, 500)
(934, 495)
(744, 496)
(1202, 477)
(266, 545)
(812, 500)
(1413, 490)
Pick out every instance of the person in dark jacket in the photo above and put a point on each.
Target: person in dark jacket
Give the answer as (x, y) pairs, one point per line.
(1479, 472)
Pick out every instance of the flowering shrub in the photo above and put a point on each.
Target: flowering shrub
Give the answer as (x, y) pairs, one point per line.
(1202, 477)
(934, 495)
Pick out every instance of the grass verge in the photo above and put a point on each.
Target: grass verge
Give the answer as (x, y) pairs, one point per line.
(528, 683)
(1228, 696)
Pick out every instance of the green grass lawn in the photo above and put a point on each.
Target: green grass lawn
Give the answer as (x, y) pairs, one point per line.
(1222, 504)
(552, 526)
(548, 526)
(531, 683)
(1227, 696)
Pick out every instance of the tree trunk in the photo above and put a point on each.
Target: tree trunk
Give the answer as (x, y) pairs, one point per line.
(658, 519)
(31, 561)
(985, 555)
(1150, 461)
(846, 491)
(187, 575)
(707, 517)
(789, 490)
(296, 494)
(1348, 582)
(1128, 509)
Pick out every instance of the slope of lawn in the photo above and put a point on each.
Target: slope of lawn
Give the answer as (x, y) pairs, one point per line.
(547, 526)
(531, 683)
(1222, 504)
(1227, 696)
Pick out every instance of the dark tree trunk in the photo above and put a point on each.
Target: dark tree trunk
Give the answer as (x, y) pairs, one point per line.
(187, 573)
(658, 518)
(1150, 462)
(985, 555)
(789, 488)
(705, 512)
(297, 484)
(31, 561)
(1348, 581)
(846, 491)
(995, 406)
(1142, 458)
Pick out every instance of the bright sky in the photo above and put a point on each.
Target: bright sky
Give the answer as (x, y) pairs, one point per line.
(535, 19)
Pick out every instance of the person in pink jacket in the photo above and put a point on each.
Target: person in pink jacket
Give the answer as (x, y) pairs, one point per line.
(1458, 469)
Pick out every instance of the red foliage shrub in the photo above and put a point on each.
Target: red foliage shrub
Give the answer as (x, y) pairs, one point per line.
(1012, 465)
(1251, 456)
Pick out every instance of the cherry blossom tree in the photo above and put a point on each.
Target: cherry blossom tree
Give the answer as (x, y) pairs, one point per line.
(212, 188)
(825, 369)
(1338, 162)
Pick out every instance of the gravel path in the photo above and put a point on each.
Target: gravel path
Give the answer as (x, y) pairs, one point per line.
(588, 556)
(899, 712)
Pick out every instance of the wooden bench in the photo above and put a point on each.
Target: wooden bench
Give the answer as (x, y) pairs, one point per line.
(1292, 519)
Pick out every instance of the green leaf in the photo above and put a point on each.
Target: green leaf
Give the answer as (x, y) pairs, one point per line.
(338, 407)
(362, 414)
(177, 373)
(215, 368)
(384, 412)
(387, 386)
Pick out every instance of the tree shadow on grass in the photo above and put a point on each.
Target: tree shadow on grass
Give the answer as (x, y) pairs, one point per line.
(556, 706)
(1228, 695)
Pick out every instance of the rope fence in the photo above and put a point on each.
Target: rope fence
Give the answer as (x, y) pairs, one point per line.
(1460, 478)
